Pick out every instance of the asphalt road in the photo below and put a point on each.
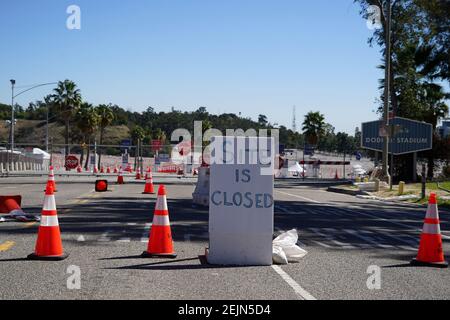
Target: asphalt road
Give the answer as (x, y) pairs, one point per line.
(105, 233)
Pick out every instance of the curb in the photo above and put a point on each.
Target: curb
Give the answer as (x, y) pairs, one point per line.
(346, 191)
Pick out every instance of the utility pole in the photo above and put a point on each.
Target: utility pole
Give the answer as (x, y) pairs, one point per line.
(387, 91)
(13, 82)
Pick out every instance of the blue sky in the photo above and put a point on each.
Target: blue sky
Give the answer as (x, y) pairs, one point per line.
(249, 56)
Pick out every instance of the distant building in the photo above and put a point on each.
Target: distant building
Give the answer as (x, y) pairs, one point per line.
(444, 129)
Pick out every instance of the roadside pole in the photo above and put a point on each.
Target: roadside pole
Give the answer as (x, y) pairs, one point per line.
(387, 92)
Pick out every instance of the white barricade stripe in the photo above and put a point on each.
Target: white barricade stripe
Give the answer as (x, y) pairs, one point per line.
(161, 220)
(49, 203)
(431, 228)
(161, 203)
(49, 221)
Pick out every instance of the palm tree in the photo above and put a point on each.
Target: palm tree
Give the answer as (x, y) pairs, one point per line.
(87, 121)
(68, 99)
(106, 117)
(314, 127)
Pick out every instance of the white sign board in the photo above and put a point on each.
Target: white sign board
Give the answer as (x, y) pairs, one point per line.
(241, 201)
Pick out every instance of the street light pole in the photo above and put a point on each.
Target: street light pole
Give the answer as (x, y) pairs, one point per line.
(46, 130)
(387, 91)
(13, 82)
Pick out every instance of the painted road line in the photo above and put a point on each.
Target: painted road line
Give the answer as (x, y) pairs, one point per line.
(145, 234)
(5, 246)
(297, 196)
(104, 237)
(301, 293)
(367, 239)
(330, 238)
(322, 244)
(360, 213)
(30, 224)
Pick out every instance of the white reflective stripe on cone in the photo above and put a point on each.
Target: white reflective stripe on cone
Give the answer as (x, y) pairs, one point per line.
(161, 220)
(49, 221)
(431, 228)
(161, 203)
(432, 212)
(49, 203)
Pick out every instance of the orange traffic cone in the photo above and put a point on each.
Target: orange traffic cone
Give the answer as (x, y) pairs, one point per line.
(49, 244)
(160, 244)
(102, 169)
(120, 177)
(149, 188)
(51, 180)
(336, 176)
(430, 249)
(79, 169)
(95, 169)
(108, 170)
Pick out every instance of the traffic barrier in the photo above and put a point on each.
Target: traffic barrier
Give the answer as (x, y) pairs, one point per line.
(51, 180)
(201, 192)
(10, 205)
(120, 177)
(101, 185)
(160, 244)
(430, 252)
(48, 243)
(149, 187)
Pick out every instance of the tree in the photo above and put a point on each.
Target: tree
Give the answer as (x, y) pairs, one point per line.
(420, 56)
(313, 127)
(262, 120)
(137, 134)
(87, 121)
(106, 117)
(68, 99)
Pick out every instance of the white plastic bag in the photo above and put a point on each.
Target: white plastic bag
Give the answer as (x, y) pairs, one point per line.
(278, 256)
(287, 244)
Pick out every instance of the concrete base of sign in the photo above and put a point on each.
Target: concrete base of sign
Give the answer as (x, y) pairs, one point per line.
(201, 192)
(219, 258)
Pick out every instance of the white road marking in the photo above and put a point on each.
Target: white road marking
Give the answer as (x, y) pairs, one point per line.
(297, 196)
(104, 237)
(302, 293)
(368, 239)
(144, 237)
(330, 238)
(360, 213)
(322, 244)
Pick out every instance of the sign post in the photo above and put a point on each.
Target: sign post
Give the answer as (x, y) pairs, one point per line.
(407, 136)
(241, 201)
